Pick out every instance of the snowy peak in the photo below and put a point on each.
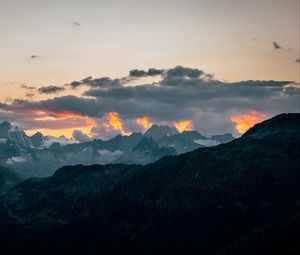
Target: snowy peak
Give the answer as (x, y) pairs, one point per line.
(14, 134)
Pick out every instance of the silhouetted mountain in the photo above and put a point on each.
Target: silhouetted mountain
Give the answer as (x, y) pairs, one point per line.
(235, 198)
(283, 123)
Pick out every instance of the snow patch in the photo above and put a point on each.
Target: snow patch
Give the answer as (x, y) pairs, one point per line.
(3, 140)
(206, 142)
(14, 160)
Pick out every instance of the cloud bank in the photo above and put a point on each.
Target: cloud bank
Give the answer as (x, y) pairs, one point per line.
(182, 94)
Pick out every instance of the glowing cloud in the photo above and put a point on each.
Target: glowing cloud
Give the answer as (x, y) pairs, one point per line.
(144, 121)
(59, 123)
(245, 121)
(185, 125)
(114, 122)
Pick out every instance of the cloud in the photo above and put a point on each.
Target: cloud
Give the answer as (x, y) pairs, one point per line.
(35, 56)
(297, 60)
(50, 90)
(76, 23)
(142, 73)
(103, 82)
(182, 94)
(24, 86)
(79, 136)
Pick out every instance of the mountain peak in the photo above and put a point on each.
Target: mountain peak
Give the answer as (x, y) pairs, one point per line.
(4, 129)
(282, 123)
(5, 124)
(157, 132)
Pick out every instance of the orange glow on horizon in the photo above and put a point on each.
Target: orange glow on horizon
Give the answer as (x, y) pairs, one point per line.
(67, 132)
(56, 114)
(144, 121)
(245, 121)
(185, 125)
(48, 116)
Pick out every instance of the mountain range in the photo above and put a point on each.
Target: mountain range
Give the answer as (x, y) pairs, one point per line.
(241, 197)
(40, 155)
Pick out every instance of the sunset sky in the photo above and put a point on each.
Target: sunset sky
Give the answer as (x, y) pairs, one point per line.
(104, 67)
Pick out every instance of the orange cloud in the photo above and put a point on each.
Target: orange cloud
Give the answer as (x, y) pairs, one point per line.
(185, 125)
(245, 121)
(62, 114)
(114, 122)
(144, 121)
(59, 123)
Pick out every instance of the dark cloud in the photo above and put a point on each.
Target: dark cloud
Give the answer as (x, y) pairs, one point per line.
(181, 72)
(141, 73)
(182, 93)
(76, 23)
(50, 89)
(29, 95)
(24, 86)
(297, 60)
(103, 82)
(34, 56)
(79, 136)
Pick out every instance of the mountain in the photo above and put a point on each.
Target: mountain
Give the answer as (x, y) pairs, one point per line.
(147, 151)
(8, 179)
(39, 156)
(37, 140)
(158, 132)
(9, 132)
(235, 198)
(183, 142)
(226, 138)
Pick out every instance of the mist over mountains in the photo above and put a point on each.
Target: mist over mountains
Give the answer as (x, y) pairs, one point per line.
(40, 155)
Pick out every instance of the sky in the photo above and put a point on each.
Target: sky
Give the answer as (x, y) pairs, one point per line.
(212, 65)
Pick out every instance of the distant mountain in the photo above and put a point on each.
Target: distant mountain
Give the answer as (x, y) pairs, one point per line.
(236, 198)
(13, 134)
(158, 132)
(40, 155)
(8, 179)
(147, 150)
(226, 138)
(183, 142)
(37, 139)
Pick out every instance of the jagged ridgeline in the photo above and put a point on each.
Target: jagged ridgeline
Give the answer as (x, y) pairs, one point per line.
(40, 156)
(241, 197)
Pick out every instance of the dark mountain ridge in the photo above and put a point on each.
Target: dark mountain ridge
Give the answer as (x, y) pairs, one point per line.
(235, 198)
